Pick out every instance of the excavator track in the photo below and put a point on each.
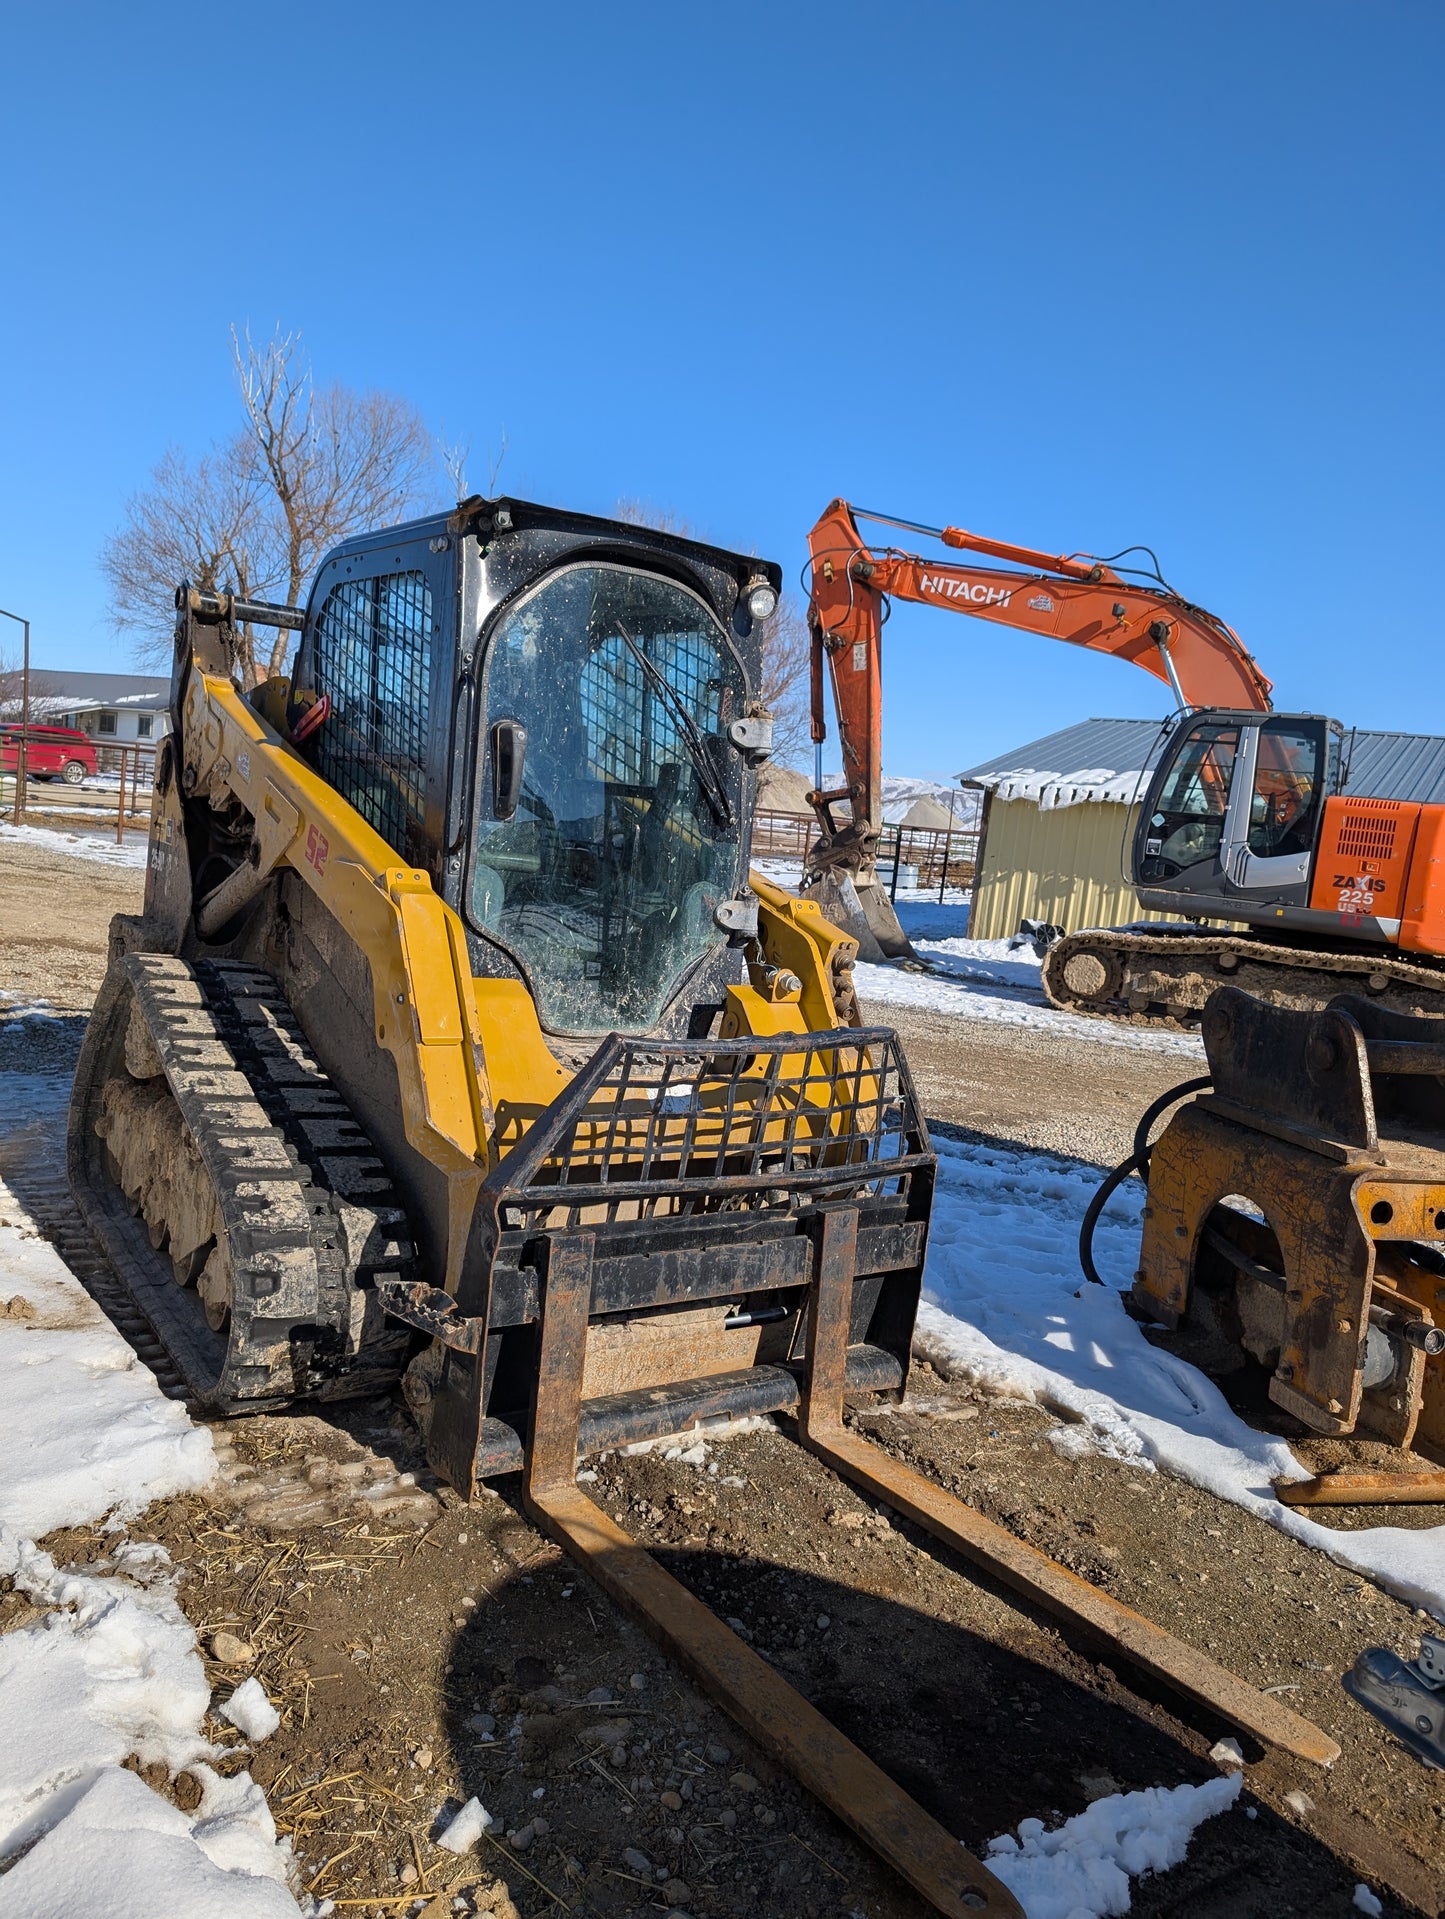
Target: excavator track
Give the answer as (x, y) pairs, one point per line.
(235, 1198)
(1159, 978)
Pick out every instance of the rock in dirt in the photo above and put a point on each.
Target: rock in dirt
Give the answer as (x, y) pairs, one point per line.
(676, 1890)
(229, 1650)
(637, 1862)
(743, 1782)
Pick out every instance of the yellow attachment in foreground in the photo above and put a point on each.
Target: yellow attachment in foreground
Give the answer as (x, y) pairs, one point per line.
(793, 934)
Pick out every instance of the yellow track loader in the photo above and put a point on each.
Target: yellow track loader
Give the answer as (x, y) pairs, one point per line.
(456, 1041)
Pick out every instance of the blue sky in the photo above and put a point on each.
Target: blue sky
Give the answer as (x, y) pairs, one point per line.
(1075, 276)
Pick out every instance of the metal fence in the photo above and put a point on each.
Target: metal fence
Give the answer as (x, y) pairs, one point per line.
(118, 794)
(935, 856)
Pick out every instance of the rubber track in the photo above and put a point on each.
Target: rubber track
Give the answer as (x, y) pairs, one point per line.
(1260, 963)
(288, 1163)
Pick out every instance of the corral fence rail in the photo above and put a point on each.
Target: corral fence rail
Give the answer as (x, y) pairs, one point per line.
(121, 793)
(939, 856)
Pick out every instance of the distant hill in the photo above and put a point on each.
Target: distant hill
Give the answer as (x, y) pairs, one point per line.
(906, 801)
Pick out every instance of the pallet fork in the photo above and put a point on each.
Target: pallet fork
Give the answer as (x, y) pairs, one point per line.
(837, 1230)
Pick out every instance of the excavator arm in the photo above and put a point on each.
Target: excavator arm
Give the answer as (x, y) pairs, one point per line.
(1076, 599)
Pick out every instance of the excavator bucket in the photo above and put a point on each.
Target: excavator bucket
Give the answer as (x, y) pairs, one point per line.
(862, 908)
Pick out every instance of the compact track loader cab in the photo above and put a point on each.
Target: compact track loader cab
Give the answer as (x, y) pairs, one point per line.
(457, 1040)
(457, 919)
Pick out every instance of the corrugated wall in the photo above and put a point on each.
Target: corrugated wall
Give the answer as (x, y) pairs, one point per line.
(1061, 866)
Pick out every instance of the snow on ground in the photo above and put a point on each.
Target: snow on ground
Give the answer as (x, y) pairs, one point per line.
(993, 981)
(1007, 1307)
(88, 1431)
(996, 982)
(108, 1664)
(95, 846)
(1082, 1869)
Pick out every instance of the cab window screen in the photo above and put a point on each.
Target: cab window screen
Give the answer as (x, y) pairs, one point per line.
(373, 648)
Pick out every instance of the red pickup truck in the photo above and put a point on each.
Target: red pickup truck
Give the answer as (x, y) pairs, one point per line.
(49, 750)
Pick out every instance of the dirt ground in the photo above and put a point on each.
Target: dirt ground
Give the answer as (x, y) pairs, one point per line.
(55, 914)
(415, 1665)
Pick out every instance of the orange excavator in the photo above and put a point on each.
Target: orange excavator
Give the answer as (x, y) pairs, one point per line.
(1282, 882)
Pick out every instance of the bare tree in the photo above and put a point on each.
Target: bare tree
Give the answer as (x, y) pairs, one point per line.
(335, 462)
(452, 457)
(786, 652)
(204, 523)
(784, 648)
(255, 514)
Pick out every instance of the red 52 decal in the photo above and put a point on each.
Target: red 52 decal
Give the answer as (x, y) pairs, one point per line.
(317, 847)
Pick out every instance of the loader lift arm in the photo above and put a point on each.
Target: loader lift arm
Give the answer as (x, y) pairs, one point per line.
(1076, 599)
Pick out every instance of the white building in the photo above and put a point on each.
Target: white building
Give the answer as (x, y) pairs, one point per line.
(123, 709)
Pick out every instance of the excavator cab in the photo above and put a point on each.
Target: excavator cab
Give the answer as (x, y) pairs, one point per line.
(1228, 826)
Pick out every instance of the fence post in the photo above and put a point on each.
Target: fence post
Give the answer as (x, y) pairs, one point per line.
(947, 844)
(120, 804)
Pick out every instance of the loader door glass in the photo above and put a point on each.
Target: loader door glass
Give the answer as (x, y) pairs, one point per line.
(1184, 825)
(604, 882)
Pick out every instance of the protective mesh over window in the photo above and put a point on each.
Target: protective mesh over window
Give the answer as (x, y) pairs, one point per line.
(373, 652)
(631, 732)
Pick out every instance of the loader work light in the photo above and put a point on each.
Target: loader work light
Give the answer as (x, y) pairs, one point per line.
(762, 600)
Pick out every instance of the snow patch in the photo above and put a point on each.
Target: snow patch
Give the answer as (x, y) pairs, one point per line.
(1082, 1869)
(251, 1712)
(1051, 790)
(1007, 1308)
(125, 1850)
(107, 1665)
(998, 983)
(466, 1828)
(80, 846)
(87, 1429)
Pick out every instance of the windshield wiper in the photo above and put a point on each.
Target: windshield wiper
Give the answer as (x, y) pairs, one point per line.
(707, 774)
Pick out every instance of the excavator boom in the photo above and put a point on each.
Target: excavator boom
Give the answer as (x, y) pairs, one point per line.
(1073, 598)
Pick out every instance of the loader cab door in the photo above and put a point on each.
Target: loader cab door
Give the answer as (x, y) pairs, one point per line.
(1232, 813)
(609, 815)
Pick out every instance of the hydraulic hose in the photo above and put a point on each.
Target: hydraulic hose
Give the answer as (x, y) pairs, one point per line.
(1137, 1162)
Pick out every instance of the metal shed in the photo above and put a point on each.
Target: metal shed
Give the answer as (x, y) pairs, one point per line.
(1057, 814)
